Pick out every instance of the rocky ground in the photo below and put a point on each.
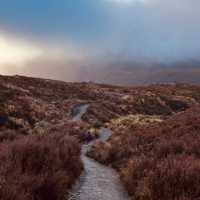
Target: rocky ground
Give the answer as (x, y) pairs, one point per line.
(153, 126)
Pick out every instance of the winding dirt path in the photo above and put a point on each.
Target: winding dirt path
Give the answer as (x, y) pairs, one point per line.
(98, 182)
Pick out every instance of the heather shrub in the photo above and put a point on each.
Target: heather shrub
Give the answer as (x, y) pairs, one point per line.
(3, 118)
(176, 179)
(166, 148)
(134, 177)
(177, 105)
(39, 168)
(8, 135)
(77, 130)
(168, 179)
(159, 162)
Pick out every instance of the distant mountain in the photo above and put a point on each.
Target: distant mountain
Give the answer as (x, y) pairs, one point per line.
(133, 73)
(116, 71)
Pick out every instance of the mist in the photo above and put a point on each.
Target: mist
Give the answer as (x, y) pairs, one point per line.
(87, 40)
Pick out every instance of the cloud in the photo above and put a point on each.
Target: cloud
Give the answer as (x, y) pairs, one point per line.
(128, 1)
(13, 51)
(26, 56)
(138, 29)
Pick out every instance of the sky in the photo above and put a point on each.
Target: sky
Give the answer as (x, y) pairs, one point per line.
(57, 33)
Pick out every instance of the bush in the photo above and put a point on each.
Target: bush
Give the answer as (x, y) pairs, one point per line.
(8, 135)
(39, 168)
(168, 179)
(175, 179)
(3, 118)
(160, 162)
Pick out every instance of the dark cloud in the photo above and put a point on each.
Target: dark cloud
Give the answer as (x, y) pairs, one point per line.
(148, 29)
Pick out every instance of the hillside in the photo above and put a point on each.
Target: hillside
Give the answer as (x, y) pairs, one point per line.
(127, 72)
(155, 125)
(156, 158)
(139, 73)
(116, 71)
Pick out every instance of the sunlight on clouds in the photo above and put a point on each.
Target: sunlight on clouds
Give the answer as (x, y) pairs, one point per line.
(13, 51)
(18, 55)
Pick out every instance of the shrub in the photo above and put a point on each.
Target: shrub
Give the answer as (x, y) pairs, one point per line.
(160, 162)
(3, 118)
(176, 178)
(169, 179)
(38, 168)
(8, 135)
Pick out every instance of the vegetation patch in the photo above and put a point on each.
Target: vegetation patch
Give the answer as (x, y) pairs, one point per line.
(150, 148)
(136, 120)
(156, 162)
(39, 167)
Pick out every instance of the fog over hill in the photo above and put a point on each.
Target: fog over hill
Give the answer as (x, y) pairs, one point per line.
(117, 72)
(111, 41)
